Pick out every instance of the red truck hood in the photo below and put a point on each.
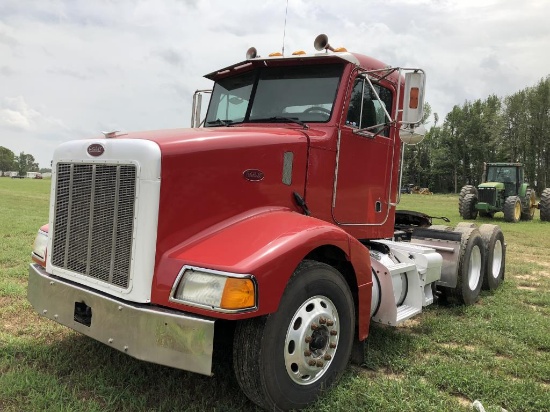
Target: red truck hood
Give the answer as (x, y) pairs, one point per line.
(177, 141)
(205, 175)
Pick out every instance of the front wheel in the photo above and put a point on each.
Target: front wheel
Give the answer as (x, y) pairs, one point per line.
(512, 209)
(529, 205)
(284, 360)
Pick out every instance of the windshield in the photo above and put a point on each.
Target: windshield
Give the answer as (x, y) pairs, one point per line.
(275, 94)
(504, 174)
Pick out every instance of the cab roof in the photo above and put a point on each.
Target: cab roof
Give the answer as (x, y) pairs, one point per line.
(358, 60)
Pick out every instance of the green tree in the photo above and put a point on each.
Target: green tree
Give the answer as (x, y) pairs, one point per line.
(26, 163)
(7, 160)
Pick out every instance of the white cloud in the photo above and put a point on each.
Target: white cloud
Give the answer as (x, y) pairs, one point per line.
(16, 114)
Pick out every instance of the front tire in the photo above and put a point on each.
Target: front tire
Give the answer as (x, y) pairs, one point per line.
(512, 209)
(529, 205)
(286, 359)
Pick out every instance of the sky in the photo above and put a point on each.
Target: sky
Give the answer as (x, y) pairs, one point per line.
(70, 69)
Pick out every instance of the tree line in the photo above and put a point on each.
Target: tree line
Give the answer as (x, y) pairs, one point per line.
(22, 163)
(513, 129)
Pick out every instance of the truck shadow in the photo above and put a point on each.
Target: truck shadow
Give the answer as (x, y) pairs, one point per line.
(84, 369)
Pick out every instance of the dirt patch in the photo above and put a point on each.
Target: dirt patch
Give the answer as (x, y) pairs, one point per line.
(544, 274)
(410, 323)
(469, 348)
(526, 277)
(381, 373)
(6, 301)
(529, 288)
(463, 401)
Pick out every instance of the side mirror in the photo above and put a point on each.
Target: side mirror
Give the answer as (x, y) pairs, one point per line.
(196, 108)
(413, 102)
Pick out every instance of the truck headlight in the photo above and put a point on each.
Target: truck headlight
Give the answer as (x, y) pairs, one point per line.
(215, 290)
(39, 248)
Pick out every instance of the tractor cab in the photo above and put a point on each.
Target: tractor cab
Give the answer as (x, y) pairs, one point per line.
(506, 176)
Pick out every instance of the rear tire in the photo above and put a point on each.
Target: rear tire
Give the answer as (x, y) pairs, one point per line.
(471, 268)
(512, 209)
(466, 190)
(469, 210)
(544, 205)
(529, 205)
(495, 252)
(315, 323)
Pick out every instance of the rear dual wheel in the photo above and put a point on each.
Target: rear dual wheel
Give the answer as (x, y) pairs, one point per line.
(286, 359)
(471, 267)
(495, 250)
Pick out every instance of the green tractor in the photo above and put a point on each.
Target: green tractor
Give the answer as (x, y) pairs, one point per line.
(503, 190)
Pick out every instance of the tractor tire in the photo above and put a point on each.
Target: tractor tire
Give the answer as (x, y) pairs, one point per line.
(495, 252)
(284, 360)
(512, 209)
(529, 205)
(544, 205)
(466, 190)
(471, 268)
(469, 210)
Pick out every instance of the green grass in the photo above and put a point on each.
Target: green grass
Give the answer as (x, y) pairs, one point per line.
(497, 351)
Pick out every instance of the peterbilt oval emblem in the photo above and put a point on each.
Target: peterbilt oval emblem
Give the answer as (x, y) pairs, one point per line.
(95, 150)
(254, 175)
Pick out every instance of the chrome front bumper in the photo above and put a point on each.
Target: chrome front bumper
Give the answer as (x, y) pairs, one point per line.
(152, 334)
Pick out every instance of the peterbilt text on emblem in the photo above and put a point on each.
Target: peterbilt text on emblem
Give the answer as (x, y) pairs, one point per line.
(254, 175)
(95, 149)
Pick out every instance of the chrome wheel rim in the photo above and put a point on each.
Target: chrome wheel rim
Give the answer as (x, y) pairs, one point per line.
(497, 259)
(474, 268)
(311, 340)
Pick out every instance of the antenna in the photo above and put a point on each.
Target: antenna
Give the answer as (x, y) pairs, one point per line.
(284, 30)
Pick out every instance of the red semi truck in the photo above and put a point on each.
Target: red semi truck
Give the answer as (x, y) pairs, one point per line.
(271, 225)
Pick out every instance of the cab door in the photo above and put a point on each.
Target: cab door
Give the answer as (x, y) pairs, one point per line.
(364, 159)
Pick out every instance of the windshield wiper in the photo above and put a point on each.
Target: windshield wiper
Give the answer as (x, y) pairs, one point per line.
(220, 122)
(282, 119)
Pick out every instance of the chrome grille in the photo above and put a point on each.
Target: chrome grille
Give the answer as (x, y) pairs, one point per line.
(94, 219)
(487, 195)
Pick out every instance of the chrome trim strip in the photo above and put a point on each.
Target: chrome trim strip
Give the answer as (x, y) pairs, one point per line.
(153, 334)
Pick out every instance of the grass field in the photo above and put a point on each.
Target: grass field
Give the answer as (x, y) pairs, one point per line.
(497, 351)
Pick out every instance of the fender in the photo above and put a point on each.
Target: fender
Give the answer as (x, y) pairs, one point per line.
(268, 243)
(523, 190)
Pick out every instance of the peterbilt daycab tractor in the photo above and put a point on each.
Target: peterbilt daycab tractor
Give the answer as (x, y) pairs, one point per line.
(272, 225)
